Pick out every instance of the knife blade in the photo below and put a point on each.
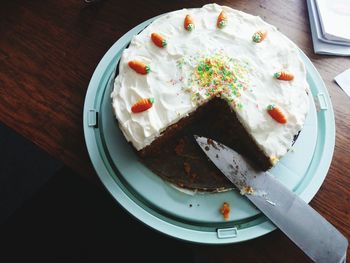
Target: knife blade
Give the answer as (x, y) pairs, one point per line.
(312, 233)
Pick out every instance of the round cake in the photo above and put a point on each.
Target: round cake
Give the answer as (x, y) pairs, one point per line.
(191, 59)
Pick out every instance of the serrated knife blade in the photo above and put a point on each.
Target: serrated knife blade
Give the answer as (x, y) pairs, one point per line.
(312, 233)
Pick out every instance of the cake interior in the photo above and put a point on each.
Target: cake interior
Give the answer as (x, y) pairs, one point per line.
(176, 157)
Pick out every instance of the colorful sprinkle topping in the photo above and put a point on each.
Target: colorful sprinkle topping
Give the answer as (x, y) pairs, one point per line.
(139, 67)
(158, 40)
(142, 105)
(276, 113)
(188, 23)
(216, 75)
(283, 75)
(259, 36)
(222, 20)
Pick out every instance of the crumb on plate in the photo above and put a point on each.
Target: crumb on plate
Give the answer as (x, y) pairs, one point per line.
(225, 210)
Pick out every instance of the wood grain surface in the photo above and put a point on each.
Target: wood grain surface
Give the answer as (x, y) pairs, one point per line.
(49, 50)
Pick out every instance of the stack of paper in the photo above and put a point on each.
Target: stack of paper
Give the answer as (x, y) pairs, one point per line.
(330, 26)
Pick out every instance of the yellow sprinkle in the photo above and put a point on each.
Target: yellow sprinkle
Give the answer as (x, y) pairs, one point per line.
(274, 159)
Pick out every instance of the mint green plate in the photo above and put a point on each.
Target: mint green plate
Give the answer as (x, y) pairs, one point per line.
(196, 217)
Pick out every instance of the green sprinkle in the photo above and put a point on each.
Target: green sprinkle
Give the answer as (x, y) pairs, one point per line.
(190, 27)
(180, 62)
(256, 38)
(148, 69)
(270, 107)
(164, 43)
(222, 24)
(277, 75)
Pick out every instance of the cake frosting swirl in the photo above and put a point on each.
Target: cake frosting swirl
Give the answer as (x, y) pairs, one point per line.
(231, 62)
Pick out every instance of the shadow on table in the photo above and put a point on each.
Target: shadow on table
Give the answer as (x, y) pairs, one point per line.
(71, 220)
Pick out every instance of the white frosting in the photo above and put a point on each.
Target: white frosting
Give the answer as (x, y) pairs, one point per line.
(173, 68)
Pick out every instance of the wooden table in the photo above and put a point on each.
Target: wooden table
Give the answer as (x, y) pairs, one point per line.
(49, 50)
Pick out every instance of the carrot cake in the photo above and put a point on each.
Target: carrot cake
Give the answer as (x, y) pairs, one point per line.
(191, 61)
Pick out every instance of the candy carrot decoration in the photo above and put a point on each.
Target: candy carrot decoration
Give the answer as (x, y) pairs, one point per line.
(188, 23)
(139, 67)
(222, 20)
(259, 36)
(142, 105)
(276, 113)
(283, 75)
(158, 40)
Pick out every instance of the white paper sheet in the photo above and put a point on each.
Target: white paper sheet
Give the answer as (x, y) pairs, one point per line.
(343, 80)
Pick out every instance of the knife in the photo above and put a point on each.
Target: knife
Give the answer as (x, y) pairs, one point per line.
(312, 233)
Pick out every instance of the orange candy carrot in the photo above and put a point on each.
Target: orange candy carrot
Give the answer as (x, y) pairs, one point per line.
(222, 20)
(188, 23)
(139, 67)
(259, 36)
(158, 40)
(283, 75)
(142, 105)
(276, 113)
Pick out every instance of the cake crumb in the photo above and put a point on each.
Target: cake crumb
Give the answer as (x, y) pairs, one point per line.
(212, 143)
(273, 159)
(225, 210)
(247, 190)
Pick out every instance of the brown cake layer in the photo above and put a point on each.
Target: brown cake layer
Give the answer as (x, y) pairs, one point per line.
(176, 157)
(221, 124)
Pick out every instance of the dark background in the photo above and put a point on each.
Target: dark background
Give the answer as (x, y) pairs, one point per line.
(50, 214)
